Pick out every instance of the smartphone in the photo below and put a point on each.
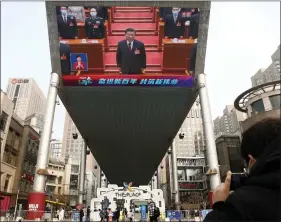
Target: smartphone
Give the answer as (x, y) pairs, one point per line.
(237, 180)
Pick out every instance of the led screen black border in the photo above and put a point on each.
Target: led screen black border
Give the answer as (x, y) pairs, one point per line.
(204, 7)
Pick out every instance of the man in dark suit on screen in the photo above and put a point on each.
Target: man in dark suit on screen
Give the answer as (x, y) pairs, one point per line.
(174, 24)
(131, 55)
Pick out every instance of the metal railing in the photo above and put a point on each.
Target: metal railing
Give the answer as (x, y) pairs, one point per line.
(169, 215)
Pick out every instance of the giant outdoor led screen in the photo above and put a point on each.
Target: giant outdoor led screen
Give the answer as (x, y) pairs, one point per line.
(128, 76)
(127, 46)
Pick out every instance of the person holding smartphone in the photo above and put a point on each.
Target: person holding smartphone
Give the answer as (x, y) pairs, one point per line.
(258, 198)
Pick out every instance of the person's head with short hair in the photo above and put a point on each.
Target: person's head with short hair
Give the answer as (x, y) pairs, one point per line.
(257, 138)
(175, 11)
(78, 58)
(63, 10)
(93, 12)
(130, 34)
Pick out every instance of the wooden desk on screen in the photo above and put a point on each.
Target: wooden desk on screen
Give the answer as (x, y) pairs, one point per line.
(161, 33)
(94, 52)
(176, 54)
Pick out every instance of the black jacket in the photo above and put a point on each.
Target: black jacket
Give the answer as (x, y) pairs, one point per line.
(65, 51)
(194, 26)
(174, 29)
(131, 62)
(94, 28)
(258, 200)
(68, 30)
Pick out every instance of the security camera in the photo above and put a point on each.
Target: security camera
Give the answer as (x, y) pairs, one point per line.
(75, 136)
(96, 167)
(155, 174)
(181, 135)
(169, 151)
(88, 152)
(102, 174)
(161, 167)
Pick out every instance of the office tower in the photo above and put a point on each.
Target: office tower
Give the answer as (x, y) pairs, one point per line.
(192, 143)
(229, 122)
(56, 148)
(28, 99)
(271, 73)
(189, 143)
(71, 151)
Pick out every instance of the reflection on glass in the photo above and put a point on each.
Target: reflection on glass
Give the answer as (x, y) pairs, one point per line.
(128, 41)
(258, 106)
(275, 101)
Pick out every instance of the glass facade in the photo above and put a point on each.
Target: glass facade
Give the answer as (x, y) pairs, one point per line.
(258, 106)
(275, 101)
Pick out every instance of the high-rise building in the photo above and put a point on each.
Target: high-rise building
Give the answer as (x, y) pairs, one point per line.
(56, 148)
(189, 143)
(229, 122)
(28, 99)
(72, 145)
(271, 73)
(11, 134)
(192, 144)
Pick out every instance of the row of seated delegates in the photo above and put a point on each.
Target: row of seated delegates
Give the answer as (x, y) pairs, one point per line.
(79, 12)
(175, 22)
(68, 29)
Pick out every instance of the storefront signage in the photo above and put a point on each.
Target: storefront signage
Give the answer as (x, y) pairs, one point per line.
(15, 81)
(33, 207)
(126, 194)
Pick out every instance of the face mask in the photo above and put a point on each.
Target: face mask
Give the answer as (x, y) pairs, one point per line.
(63, 12)
(175, 13)
(94, 14)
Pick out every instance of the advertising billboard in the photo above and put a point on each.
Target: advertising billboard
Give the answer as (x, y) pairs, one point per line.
(127, 46)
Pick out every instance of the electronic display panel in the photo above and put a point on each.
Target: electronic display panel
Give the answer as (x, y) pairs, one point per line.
(127, 46)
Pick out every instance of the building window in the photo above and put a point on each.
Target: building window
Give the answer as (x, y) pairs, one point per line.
(258, 106)
(17, 91)
(275, 101)
(3, 120)
(6, 184)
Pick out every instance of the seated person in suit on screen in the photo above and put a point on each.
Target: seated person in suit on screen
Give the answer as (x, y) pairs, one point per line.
(79, 64)
(78, 12)
(67, 26)
(94, 26)
(131, 55)
(65, 51)
(174, 25)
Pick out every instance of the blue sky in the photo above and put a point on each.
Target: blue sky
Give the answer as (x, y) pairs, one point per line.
(242, 37)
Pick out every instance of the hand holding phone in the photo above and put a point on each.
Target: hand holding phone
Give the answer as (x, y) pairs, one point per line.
(237, 180)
